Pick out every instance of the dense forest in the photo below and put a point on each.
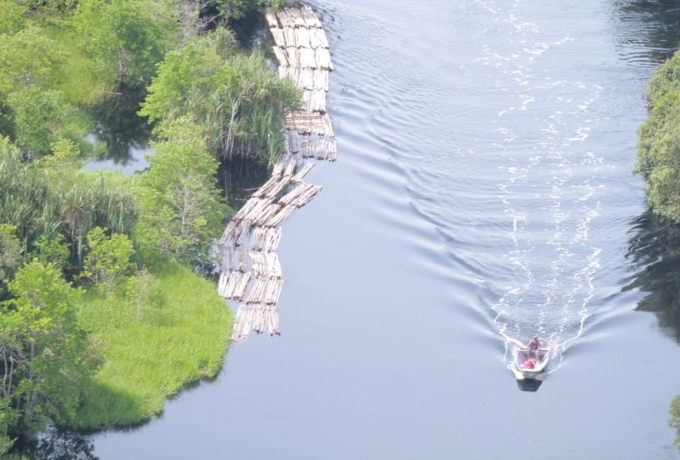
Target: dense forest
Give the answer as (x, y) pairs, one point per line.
(106, 302)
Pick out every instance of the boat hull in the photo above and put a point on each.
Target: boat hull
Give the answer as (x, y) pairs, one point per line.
(520, 359)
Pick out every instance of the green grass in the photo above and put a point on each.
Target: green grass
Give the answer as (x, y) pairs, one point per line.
(178, 336)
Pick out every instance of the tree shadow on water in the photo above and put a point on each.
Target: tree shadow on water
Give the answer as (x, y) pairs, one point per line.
(62, 444)
(119, 126)
(654, 251)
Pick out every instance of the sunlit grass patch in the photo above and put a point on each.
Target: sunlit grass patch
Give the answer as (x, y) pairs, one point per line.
(174, 332)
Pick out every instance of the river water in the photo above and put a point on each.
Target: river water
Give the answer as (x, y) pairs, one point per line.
(484, 190)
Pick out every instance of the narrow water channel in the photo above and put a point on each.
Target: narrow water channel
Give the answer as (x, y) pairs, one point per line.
(483, 190)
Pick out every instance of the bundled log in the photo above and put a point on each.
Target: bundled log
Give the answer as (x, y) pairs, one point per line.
(292, 141)
(311, 21)
(248, 245)
(240, 289)
(279, 37)
(278, 166)
(302, 173)
(318, 38)
(323, 58)
(257, 292)
(281, 55)
(321, 79)
(307, 58)
(302, 38)
(280, 216)
(271, 20)
(273, 291)
(295, 15)
(273, 239)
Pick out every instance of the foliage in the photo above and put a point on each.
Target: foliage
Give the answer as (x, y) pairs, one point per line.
(125, 38)
(108, 258)
(28, 58)
(659, 142)
(43, 203)
(6, 415)
(34, 112)
(12, 17)
(52, 251)
(182, 210)
(236, 9)
(51, 6)
(675, 418)
(10, 256)
(46, 350)
(237, 99)
(40, 118)
(180, 336)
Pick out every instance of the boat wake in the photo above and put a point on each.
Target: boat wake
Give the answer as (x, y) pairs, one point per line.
(548, 189)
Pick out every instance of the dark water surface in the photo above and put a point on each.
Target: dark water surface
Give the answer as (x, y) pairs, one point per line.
(483, 190)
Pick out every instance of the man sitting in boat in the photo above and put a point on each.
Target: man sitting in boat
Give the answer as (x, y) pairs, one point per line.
(533, 346)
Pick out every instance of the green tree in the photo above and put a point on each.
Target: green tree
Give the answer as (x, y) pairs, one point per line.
(125, 38)
(659, 142)
(44, 351)
(52, 250)
(12, 17)
(40, 118)
(29, 58)
(108, 258)
(182, 210)
(6, 421)
(237, 99)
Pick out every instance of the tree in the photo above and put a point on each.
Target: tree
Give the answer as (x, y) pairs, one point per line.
(108, 258)
(125, 38)
(43, 351)
(182, 210)
(659, 142)
(40, 118)
(12, 17)
(237, 99)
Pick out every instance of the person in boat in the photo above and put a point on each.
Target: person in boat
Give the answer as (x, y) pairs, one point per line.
(529, 364)
(533, 347)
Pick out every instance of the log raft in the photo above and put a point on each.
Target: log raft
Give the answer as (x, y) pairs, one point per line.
(250, 271)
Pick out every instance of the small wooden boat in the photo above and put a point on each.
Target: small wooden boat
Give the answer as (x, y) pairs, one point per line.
(524, 368)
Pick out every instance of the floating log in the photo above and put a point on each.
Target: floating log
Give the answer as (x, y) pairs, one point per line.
(257, 292)
(281, 55)
(311, 21)
(302, 38)
(273, 239)
(271, 20)
(248, 245)
(307, 58)
(279, 37)
(241, 287)
(323, 58)
(292, 141)
(302, 173)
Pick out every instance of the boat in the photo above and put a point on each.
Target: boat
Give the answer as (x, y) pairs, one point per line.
(520, 363)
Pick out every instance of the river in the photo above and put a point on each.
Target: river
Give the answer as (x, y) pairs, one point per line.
(484, 189)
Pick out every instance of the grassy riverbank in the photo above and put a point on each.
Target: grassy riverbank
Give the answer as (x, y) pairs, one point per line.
(103, 309)
(174, 332)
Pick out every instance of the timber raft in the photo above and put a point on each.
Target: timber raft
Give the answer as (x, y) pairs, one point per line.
(250, 271)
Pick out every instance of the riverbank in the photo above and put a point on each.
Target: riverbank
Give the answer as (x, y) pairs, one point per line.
(659, 163)
(173, 333)
(104, 308)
